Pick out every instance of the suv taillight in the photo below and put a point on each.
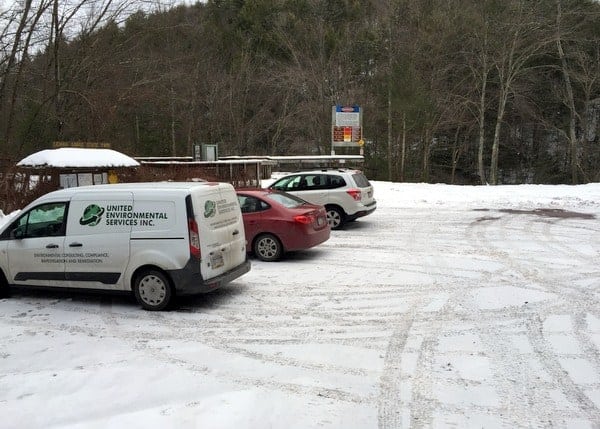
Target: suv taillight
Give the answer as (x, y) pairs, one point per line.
(194, 238)
(354, 193)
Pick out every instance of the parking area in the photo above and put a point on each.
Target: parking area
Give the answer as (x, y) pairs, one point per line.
(434, 311)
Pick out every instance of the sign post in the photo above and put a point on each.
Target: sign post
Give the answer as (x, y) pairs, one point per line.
(346, 127)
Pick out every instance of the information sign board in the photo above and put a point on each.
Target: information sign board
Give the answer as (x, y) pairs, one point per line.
(346, 126)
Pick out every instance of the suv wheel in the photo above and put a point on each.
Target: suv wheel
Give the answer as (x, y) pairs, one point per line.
(335, 217)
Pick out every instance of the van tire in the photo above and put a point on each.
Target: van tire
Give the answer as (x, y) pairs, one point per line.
(267, 248)
(152, 290)
(335, 217)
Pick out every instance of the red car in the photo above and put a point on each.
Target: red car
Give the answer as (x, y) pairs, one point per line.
(276, 222)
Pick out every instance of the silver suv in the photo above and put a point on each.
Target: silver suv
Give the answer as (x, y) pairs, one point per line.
(346, 194)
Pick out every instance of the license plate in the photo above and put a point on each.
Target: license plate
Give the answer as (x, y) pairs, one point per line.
(216, 260)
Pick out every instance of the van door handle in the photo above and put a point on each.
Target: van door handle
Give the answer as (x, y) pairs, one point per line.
(75, 245)
(52, 246)
(236, 232)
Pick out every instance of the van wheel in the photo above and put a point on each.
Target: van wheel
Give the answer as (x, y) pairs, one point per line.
(335, 217)
(152, 290)
(268, 248)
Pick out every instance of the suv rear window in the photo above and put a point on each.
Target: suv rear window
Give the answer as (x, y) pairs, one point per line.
(361, 180)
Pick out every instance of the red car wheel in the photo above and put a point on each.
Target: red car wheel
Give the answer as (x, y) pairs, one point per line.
(267, 247)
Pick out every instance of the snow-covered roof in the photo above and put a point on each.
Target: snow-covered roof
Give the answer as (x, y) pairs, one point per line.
(236, 161)
(294, 158)
(78, 157)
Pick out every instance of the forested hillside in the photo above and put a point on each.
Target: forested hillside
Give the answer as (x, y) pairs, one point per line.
(461, 91)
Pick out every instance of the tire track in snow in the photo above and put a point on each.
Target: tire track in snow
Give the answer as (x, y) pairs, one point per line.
(578, 301)
(404, 320)
(390, 412)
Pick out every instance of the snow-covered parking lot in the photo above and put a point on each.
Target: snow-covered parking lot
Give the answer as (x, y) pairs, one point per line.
(448, 307)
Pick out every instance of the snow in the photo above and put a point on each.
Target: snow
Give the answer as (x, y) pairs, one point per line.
(449, 306)
(78, 157)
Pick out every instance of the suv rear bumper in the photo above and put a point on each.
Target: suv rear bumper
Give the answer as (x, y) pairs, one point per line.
(366, 211)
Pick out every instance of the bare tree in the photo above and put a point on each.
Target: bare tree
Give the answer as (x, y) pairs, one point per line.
(24, 34)
(480, 66)
(87, 15)
(522, 36)
(580, 69)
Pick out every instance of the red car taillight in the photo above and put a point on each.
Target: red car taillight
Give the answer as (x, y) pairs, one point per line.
(194, 238)
(354, 193)
(305, 219)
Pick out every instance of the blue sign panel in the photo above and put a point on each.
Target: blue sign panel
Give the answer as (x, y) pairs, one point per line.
(347, 109)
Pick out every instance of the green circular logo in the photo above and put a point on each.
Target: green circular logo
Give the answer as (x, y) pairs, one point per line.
(210, 208)
(92, 215)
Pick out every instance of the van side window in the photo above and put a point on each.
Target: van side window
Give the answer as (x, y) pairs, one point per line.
(47, 220)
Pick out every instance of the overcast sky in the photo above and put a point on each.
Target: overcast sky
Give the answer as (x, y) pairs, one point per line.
(149, 3)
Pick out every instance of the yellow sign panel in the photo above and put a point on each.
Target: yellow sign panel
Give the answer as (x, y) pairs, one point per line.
(346, 134)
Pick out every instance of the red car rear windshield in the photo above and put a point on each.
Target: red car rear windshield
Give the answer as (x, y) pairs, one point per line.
(287, 200)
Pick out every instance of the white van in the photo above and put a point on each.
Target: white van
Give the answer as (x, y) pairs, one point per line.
(155, 239)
